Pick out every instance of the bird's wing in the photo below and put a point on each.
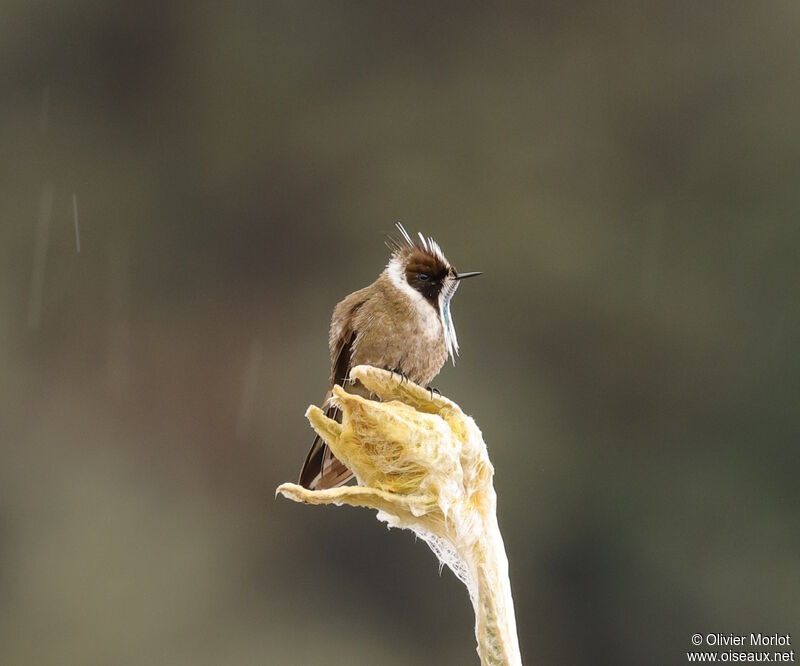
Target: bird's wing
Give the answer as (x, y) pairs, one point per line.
(321, 468)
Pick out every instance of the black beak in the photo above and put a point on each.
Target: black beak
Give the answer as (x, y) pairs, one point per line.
(462, 276)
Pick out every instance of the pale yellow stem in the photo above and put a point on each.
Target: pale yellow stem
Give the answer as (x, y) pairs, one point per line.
(495, 623)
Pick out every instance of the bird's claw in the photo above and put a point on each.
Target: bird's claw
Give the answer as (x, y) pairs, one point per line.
(398, 371)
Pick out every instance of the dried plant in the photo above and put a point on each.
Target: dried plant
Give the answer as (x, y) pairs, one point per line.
(422, 463)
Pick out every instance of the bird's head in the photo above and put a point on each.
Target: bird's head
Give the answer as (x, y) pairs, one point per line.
(424, 267)
(419, 265)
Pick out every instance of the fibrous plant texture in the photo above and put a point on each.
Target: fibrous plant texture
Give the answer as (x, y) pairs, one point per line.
(422, 463)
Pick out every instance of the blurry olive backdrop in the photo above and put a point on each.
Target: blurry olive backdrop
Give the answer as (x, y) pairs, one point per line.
(625, 174)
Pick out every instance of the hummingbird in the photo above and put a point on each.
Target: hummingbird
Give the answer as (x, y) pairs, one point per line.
(401, 322)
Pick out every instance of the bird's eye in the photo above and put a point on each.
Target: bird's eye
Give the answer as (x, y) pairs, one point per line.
(423, 276)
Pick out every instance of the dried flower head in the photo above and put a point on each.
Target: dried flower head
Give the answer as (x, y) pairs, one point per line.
(422, 463)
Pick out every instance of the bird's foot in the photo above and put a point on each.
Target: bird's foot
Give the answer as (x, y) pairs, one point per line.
(403, 375)
(434, 390)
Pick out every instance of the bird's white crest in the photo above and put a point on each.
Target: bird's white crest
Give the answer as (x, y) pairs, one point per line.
(426, 244)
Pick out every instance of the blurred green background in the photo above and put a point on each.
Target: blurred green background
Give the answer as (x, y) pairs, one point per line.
(626, 175)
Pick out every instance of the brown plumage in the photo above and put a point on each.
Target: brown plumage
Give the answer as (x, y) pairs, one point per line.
(400, 322)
